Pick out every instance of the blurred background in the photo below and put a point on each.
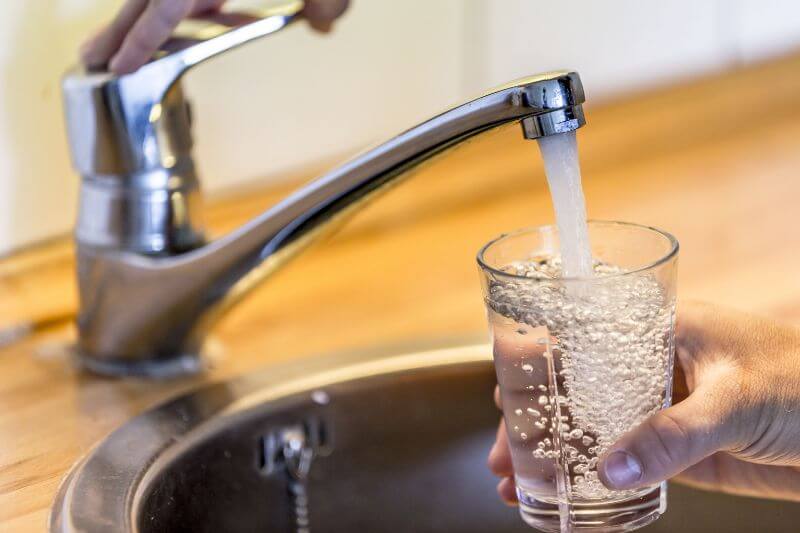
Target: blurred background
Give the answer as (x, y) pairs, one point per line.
(300, 100)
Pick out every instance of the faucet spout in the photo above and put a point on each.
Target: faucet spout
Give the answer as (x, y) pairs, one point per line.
(148, 313)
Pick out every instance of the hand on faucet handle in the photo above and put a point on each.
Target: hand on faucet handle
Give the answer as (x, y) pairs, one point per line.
(141, 26)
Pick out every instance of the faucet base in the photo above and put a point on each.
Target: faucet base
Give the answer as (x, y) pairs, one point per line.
(179, 366)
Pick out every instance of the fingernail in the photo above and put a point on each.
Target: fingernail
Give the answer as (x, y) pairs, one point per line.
(120, 66)
(322, 26)
(622, 469)
(114, 64)
(507, 491)
(87, 54)
(91, 52)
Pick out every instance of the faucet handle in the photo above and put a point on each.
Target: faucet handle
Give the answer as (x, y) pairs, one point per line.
(139, 122)
(199, 38)
(130, 137)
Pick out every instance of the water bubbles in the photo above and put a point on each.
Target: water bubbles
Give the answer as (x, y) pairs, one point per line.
(610, 347)
(572, 453)
(523, 436)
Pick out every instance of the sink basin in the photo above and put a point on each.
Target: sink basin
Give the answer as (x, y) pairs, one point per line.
(400, 445)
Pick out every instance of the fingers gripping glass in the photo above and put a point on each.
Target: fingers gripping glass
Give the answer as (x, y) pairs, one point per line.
(580, 361)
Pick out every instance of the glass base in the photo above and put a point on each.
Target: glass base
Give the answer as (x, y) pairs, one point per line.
(607, 517)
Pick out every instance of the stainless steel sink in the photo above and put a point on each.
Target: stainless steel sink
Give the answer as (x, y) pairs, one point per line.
(399, 443)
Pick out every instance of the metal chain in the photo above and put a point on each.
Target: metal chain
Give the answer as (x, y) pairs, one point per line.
(298, 455)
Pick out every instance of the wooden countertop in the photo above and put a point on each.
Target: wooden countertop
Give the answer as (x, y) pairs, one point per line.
(716, 162)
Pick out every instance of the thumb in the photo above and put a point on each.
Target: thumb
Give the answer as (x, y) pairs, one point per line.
(666, 444)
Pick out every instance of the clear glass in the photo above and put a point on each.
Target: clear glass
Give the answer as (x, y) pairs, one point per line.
(580, 362)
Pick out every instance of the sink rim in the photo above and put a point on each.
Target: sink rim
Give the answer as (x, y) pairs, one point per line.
(159, 431)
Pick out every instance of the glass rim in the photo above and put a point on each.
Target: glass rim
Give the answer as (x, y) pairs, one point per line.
(673, 251)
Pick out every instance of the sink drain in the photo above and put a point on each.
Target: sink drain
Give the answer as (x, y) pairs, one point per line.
(292, 449)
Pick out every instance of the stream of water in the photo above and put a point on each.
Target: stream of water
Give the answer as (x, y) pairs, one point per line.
(561, 164)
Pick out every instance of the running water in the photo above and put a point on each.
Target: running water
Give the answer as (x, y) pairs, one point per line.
(577, 368)
(560, 154)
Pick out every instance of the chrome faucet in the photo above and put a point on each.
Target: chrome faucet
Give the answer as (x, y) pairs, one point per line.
(150, 285)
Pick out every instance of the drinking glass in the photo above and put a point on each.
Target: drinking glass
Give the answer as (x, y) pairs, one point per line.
(579, 362)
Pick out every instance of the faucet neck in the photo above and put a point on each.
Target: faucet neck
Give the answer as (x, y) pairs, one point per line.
(143, 313)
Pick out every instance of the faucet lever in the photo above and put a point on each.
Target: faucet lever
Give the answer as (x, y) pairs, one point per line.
(202, 37)
(130, 136)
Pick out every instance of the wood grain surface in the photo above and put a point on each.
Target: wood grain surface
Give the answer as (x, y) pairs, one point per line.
(716, 162)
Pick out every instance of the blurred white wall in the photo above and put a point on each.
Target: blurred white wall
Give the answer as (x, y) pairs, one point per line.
(37, 41)
(630, 45)
(616, 45)
(298, 98)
